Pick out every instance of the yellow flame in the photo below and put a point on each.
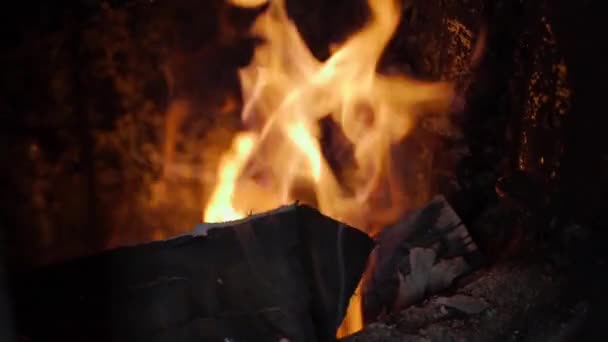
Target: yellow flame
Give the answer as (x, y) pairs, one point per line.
(287, 91)
(247, 3)
(309, 146)
(220, 207)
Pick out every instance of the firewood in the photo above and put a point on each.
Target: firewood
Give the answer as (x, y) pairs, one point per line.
(270, 276)
(513, 301)
(419, 256)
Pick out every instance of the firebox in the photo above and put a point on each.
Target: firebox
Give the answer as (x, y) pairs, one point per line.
(288, 170)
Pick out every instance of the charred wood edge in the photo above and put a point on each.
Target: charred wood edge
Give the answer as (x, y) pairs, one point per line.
(202, 229)
(509, 297)
(420, 229)
(426, 217)
(309, 234)
(349, 273)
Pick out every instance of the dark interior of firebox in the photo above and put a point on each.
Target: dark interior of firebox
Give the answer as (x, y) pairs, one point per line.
(90, 88)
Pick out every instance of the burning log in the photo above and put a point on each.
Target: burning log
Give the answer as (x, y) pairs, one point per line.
(287, 273)
(509, 302)
(417, 257)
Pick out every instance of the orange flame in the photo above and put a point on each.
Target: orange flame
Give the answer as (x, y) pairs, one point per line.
(287, 91)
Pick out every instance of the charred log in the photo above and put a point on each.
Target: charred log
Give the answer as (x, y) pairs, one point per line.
(275, 275)
(423, 254)
(510, 302)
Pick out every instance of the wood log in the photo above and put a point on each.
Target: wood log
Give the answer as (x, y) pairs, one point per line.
(513, 301)
(279, 274)
(419, 256)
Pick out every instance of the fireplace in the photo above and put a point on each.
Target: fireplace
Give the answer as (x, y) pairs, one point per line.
(452, 150)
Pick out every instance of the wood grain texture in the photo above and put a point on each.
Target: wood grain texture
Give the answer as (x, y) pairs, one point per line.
(266, 277)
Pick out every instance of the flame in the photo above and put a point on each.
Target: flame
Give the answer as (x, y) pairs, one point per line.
(247, 3)
(353, 321)
(231, 166)
(287, 91)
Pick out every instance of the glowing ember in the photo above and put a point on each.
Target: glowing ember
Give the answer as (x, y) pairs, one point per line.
(287, 91)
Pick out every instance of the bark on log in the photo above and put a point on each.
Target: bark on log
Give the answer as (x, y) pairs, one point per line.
(417, 257)
(286, 273)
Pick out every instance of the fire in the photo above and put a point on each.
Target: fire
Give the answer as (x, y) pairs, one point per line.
(231, 166)
(287, 91)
